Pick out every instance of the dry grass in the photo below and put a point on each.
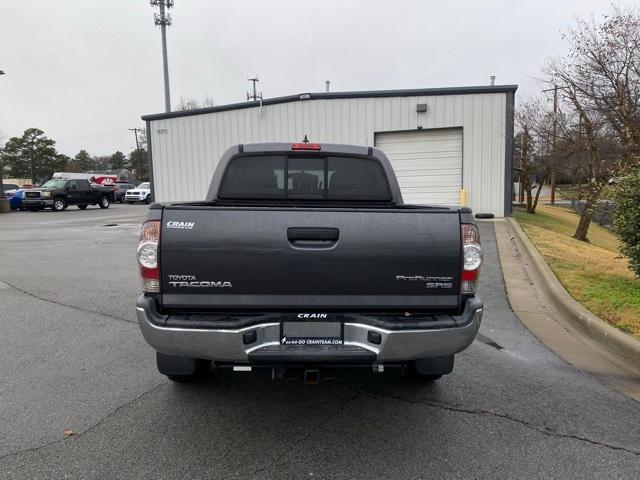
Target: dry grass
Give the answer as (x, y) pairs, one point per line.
(594, 273)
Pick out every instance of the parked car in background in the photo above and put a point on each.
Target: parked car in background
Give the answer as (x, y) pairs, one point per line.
(9, 186)
(142, 193)
(15, 199)
(58, 194)
(119, 191)
(97, 178)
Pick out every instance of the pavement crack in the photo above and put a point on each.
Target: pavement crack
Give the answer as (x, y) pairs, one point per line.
(478, 411)
(74, 307)
(89, 429)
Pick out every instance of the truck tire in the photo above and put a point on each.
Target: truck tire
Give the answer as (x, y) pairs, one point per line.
(58, 205)
(82, 206)
(431, 369)
(104, 202)
(148, 199)
(182, 369)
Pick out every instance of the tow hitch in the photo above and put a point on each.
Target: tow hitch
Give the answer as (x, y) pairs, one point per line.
(311, 377)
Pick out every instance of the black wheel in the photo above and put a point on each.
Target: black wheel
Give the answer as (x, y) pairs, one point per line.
(182, 369)
(82, 206)
(104, 202)
(58, 205)
(148, 199)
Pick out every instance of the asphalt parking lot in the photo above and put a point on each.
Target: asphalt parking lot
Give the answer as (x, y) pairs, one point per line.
(71, 357)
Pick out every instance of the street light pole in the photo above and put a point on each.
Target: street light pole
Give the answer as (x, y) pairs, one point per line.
(164, 20)
(2, 197)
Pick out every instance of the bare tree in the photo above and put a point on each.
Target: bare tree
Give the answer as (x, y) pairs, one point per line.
(599, 87)
(535, 153)
(194, 103)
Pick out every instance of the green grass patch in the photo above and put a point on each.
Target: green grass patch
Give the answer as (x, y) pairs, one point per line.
(565, 221)
(594, 273)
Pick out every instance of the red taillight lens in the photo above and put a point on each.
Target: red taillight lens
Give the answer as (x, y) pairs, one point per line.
(472, 259)
(148, 256)
(305, 146)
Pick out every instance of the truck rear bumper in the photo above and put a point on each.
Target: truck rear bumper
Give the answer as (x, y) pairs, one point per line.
(228, 345)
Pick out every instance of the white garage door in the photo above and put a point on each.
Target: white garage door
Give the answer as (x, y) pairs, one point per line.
(428, 164)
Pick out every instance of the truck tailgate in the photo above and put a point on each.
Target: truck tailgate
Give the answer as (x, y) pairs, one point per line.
(247, 258)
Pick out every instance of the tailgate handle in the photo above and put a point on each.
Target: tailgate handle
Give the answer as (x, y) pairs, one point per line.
(313, 234)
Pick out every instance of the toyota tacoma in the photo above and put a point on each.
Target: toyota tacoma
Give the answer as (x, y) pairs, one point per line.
(304, 256)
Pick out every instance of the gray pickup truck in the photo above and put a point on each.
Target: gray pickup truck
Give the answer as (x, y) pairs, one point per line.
(304, 256)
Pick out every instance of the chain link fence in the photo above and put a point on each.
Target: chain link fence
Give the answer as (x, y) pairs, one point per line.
(603, 213)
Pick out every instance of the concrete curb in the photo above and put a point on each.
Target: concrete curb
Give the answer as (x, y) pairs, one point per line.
(616, 343)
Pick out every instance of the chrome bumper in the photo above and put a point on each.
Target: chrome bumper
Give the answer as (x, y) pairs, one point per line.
(37, 202)
(134, 198)
(227, 345)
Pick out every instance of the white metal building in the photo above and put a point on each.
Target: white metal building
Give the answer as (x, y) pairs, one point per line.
(439, 140)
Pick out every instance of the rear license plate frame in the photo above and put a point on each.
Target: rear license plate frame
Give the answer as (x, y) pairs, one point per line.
(292, 333)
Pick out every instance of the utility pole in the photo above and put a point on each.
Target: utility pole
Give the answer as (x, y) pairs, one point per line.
(164, 20)
(552, 168)
(255, 96)
(555, 134)
(135, 132)
(521, 178)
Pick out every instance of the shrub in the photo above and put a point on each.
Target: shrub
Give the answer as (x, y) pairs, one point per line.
(627, 218)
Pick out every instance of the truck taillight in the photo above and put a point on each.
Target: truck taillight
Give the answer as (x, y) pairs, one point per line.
(148, 256)
(305, 146)
(472, 259)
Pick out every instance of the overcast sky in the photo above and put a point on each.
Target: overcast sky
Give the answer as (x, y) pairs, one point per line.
(85, 70)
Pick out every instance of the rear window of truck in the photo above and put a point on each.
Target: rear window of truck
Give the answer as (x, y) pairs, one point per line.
(282, 177)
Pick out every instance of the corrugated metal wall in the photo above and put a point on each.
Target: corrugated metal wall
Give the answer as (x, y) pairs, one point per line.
(185, 149)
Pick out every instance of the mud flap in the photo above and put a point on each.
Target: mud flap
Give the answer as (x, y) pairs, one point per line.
(172, 365)
(435, 366)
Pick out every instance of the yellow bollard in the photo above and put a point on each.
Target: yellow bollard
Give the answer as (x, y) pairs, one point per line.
(463, 197)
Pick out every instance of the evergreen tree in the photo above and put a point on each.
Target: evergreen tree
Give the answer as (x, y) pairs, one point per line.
(118, 161)
(84, 161)
(32, 155)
